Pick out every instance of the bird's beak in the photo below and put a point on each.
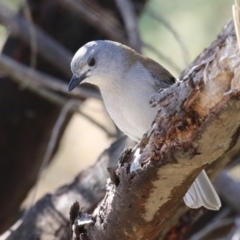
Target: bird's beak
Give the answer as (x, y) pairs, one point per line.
(75, 81)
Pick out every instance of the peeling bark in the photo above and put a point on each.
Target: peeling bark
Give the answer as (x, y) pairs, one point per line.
(197, 123)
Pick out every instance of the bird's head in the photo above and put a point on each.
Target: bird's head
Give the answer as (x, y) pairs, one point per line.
(96, 62)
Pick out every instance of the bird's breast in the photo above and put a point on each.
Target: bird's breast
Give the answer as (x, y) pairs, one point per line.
(130, 110)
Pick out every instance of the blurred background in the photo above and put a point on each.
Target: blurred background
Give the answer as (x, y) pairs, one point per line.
(37, 40)
(197, 24)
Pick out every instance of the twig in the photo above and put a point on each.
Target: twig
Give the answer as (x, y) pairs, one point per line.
(50, 149)
(127, 11)
(228, 189)
(48, 48)
(96, 17)
(34, 79)
(162, 56)
(220, 221)
(92, 120)
(183, 47)
(23, 74)
(61, 101)
(33, 37)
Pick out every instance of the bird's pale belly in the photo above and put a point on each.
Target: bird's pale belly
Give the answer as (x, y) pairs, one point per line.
(133, 120)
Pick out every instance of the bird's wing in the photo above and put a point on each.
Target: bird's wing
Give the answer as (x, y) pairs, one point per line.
(162, 77)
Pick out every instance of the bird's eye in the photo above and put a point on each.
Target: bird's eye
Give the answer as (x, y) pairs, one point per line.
(91, 62)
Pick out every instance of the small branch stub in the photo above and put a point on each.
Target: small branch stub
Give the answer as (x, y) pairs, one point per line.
(78, 222)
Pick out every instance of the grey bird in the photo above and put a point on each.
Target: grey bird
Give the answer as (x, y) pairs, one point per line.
(126, 81)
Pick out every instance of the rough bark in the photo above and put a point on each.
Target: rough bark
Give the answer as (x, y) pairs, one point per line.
(197, 124)
(216, 167)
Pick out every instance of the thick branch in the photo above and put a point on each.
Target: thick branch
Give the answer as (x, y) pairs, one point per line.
(197, 124)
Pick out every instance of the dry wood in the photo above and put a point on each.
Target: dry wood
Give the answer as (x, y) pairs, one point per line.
(197, 124)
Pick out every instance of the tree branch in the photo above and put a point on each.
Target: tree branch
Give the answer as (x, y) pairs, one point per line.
(37, 82)
(27, 76)
(127, 11)
(175, 34)
(97, 17)
(47, 47)
(163, 57)
(197, 124)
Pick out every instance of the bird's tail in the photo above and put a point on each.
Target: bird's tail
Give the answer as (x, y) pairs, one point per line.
(202, 193)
